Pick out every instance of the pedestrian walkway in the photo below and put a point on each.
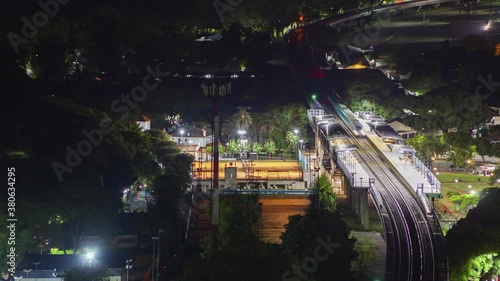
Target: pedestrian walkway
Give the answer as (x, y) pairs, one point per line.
(405, 167)
(353, 167)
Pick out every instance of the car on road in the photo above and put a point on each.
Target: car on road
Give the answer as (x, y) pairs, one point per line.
(456, 168)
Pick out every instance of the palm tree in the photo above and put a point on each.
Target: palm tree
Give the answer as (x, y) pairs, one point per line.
(243, 119)
(228, 128)
(269, 148)
(267, 126)
(201, 124)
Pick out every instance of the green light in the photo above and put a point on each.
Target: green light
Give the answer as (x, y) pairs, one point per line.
(313, 97)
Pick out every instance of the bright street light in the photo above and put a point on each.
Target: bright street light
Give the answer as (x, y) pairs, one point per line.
(90, 256)
(296, 131)
(129, 266)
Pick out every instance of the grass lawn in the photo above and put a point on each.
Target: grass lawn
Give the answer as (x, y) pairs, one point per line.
(467, 183)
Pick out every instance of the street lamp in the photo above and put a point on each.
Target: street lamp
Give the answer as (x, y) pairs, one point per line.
(468, 163)
(456, 183)
(36, 269)
(18, 278)
(27, 272)
(90, 256)
(128, 266)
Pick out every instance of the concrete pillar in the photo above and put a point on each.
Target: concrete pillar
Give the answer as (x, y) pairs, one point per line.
(355, 201)
(363, 208)
(348, 189)
(345, 185)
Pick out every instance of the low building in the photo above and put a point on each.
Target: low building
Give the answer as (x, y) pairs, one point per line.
(403, 130)
(144, 123)
(495, 117)
(193, 141)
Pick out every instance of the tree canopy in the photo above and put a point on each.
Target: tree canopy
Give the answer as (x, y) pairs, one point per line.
(481, 225)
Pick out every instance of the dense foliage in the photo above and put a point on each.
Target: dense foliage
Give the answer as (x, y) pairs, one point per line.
(480, 259)
(237, 253)
(320, 230)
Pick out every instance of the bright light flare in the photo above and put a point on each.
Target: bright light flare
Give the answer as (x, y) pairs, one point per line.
(90, 255)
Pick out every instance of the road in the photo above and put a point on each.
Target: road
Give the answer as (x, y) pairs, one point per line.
(432, 27)
(415, 248)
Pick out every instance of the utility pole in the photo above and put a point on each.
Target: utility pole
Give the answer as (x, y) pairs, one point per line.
(159, 255)
(36, 269)
(154, 258)
(215, 90)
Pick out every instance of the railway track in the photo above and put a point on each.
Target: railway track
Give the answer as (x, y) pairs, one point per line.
(415, 244)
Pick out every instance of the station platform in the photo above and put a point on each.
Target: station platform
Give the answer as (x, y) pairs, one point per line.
(406, 167)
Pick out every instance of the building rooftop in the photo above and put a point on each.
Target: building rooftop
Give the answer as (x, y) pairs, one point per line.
(143, 118)
(192, 132)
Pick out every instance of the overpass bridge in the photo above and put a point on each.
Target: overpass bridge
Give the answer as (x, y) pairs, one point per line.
(415, 243)
(398, 184)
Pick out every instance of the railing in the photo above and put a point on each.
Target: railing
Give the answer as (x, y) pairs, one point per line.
(264, 191)
(431, 178)
(189, 217)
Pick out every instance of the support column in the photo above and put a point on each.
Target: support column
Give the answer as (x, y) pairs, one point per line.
(363, 208)
(345, 185)
(355, 201)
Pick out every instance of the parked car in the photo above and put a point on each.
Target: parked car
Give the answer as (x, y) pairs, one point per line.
(456, 168)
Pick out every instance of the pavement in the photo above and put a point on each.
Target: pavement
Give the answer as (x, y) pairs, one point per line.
(374, 269)
(411, 174)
